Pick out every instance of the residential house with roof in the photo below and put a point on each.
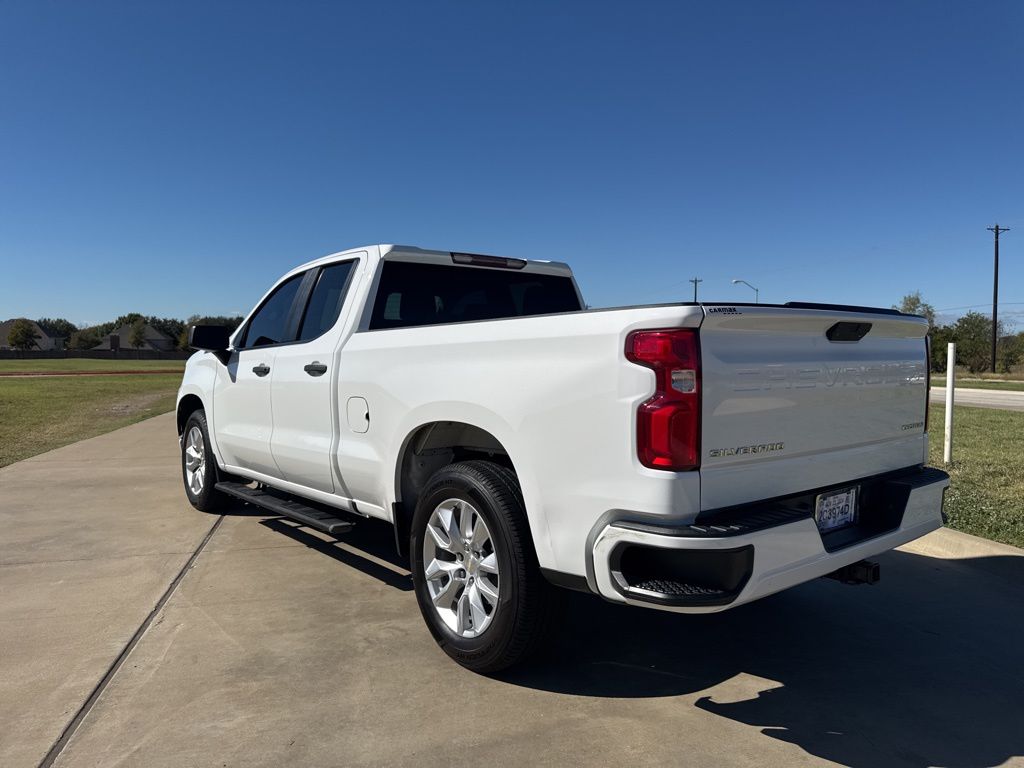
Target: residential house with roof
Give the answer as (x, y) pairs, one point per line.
(43, 341)
(121, 338)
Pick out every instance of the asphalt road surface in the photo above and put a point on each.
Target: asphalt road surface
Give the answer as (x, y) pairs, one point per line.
(981, 398)
(137, 631)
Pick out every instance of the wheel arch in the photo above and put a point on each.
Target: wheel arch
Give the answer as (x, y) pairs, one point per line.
(187, 405)
(191, 399)
(435, 444)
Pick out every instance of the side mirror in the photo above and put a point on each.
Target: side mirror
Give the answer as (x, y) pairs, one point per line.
(211, 338)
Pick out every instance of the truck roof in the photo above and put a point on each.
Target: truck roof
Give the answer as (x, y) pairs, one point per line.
(391, 252)
(412, 253)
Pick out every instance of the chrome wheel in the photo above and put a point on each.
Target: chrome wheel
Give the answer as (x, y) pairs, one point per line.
(460, 567)
(195, 460)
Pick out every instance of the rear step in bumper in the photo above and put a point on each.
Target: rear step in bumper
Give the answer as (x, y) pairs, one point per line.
(676, 568)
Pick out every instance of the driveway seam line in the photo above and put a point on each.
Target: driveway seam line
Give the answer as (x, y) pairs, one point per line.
(90, 702)
(9, 564)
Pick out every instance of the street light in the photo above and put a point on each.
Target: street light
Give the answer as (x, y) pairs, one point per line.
(756, 292)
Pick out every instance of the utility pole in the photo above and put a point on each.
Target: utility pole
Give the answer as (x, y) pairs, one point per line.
(695, 280)
(995, 293)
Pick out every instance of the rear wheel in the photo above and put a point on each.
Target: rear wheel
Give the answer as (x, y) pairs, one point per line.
(475, 572)
(198, 466)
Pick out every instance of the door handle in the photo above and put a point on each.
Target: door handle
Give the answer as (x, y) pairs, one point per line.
(316, 368)
(261, 369)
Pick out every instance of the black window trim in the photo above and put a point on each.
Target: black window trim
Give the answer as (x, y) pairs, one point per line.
(300, 303)
(319, 270)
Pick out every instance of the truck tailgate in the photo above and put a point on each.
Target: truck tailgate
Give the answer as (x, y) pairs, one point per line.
(785, 408)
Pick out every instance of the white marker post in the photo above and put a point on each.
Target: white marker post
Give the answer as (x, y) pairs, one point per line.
(947, 450)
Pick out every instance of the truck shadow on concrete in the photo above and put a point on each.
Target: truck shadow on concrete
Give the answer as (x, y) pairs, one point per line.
(923, 669)
(370, 548)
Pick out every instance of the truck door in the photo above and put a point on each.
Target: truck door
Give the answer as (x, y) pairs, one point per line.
(241, 395)
(303, 395)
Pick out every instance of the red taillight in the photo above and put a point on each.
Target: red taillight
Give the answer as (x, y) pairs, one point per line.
(668, 424)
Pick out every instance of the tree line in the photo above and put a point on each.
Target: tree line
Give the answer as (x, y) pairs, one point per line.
(972, 334)
(23, 335)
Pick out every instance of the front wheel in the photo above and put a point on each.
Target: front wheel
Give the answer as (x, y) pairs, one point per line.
(474, 569)
(198, 466)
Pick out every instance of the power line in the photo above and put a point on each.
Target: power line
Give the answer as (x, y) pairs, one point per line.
(975, 306)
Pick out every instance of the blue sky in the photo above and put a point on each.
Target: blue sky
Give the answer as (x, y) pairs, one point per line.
(175, 158)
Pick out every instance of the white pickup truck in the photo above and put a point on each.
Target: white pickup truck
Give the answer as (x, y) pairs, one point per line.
(688, 457)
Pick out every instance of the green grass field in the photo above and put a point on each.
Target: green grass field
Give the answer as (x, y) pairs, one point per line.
(37, 415)
(87, 364)
(986, 494)
(1013, 386)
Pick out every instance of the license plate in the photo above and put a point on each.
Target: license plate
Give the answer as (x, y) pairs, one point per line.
(835, 509)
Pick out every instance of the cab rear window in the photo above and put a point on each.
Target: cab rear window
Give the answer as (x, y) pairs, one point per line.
(413, 294)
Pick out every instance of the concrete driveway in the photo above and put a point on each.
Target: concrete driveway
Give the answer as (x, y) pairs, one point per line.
(981, 398)
(119, 645)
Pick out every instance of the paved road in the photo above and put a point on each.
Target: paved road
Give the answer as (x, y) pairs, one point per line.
(278, 647)
(982, 398)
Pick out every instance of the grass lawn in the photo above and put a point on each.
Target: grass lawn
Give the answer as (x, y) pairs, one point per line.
(940, 381)
(38, 415)
(986, 495)
(88, 364)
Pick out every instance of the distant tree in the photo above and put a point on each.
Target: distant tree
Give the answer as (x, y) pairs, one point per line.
(84, 338)
(22, 335)
(128, 319)
(137, 335)
(941, 336)
(913, 304)
(57, 326)
(169, 326)
(1010, 352)
(973, 336)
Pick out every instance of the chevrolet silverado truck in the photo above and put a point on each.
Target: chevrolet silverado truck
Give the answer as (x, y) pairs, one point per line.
(686, 457)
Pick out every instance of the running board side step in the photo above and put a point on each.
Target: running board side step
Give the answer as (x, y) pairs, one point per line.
(312, 517)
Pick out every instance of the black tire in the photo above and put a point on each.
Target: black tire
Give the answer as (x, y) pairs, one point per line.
(525, 601)
(208, 499)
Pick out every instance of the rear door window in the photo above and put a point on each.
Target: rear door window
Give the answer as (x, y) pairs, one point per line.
(326, 300)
